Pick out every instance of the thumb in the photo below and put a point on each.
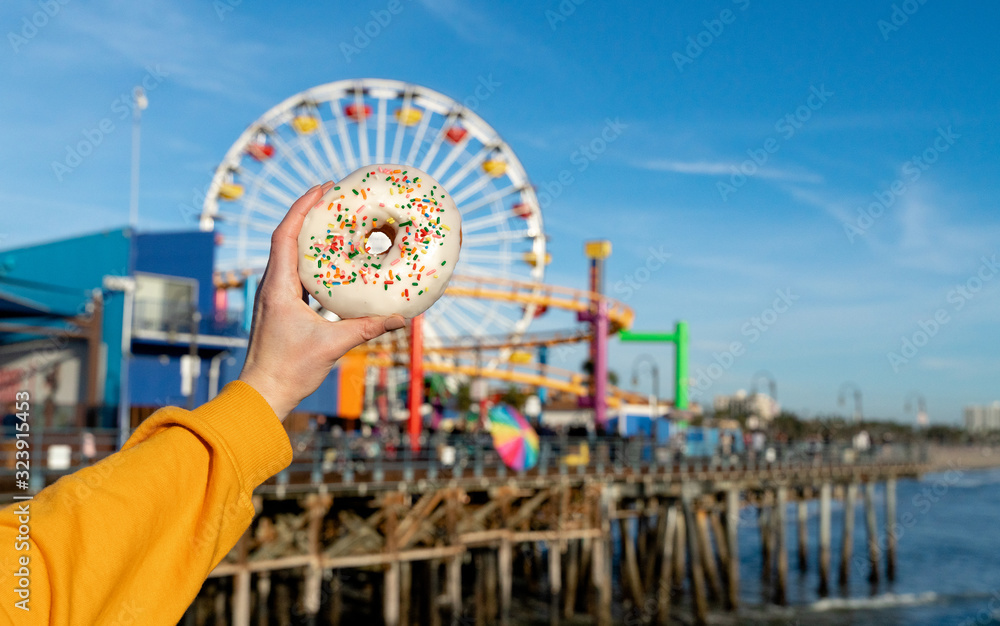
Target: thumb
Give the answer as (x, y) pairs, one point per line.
(350, 333)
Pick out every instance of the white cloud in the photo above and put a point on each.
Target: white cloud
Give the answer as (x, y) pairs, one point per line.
(725, 168)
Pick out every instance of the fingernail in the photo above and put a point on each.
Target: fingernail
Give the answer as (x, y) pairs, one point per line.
(395, 322)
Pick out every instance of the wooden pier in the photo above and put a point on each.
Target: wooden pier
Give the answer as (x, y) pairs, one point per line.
(437, 543)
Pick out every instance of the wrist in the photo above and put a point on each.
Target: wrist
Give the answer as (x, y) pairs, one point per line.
(262, 385)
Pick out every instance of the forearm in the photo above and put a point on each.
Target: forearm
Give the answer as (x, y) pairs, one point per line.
(133, 537)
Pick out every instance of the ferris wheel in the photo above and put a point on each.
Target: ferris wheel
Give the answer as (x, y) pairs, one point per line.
(326, 132)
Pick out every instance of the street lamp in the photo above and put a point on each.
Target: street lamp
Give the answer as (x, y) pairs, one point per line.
(772, 385)
(645, 359)
(921, 406)
(140, 105)
(857, 398)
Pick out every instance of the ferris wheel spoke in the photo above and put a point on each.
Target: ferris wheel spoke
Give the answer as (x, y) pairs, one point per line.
(251, 263)
(488, 313)
(309, 177)
(471, 189)
(440, 321)
(274, 170)
(456, 150)
(268, 188)
(380, 132)
(314, 159)
(487, 200)
(493, 238)
(266, 208)
(363, 154)
(331, 155)
(470, 165)
(486, 221)
(418, 140)
(344, 136)
(498, 257)
(436, 144)
(460, 317)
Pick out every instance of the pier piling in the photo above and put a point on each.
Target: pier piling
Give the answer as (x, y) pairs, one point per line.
(871, 531)
(890, 529)
(847, 546)
(824, 539)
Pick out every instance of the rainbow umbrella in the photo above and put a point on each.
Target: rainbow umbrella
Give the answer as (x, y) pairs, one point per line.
(514, 438)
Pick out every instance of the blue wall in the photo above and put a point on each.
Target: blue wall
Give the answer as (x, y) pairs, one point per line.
(186, 254)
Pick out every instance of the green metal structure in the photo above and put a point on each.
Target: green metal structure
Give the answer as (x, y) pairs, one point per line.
(680, 339)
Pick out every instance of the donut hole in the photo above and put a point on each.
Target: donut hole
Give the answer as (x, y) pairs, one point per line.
(380, 240)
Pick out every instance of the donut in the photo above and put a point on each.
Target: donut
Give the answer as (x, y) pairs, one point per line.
(383, 240)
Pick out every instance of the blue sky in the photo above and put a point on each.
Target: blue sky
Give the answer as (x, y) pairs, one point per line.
(893, 130)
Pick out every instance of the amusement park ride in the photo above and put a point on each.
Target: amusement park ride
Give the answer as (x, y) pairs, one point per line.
(479, 328)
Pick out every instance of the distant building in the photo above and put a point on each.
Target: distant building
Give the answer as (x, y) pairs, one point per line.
(743, 405)
(981, 419)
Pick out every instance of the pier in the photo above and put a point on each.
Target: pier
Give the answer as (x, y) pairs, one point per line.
(442, 534)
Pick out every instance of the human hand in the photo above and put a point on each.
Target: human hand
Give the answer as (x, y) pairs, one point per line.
(292, 348)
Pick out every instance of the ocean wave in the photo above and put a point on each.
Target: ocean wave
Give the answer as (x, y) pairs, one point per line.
(885, 601)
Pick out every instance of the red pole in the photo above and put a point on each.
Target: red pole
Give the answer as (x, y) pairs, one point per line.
(416, 380)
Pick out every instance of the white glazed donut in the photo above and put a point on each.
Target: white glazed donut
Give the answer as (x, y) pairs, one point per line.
(383, 240)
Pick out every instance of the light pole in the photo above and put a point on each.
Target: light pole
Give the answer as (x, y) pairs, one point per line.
(655, 371)
(140, 105)
(772, 385)
(921, 406)
(857, 398)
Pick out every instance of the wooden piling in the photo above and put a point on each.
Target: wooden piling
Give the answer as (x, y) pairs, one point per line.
(766, 538)
(732, 529)
(780, 526)
(405, 592)
(801, 515)
(664, 589)
(847, 546)
(434, 592)
(263, 595)
(390, 596)
(572, 577)
(453, 576)
(680, 550)
(824, 539)
(697, 572)
(629, 565)
(490, 587)
(506, 570)
(890, 529)
(871, 531)
(555, 580)
(336, 598)
(707, 553)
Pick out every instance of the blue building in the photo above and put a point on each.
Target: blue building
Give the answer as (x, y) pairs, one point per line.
(103, 329)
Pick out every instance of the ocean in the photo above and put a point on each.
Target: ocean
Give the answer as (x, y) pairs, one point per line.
(947, 572)
(948, 560)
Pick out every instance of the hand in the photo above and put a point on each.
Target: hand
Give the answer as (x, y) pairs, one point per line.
(292, 348)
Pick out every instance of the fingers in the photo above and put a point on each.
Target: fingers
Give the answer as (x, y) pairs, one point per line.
(350, 333)
(285, 240)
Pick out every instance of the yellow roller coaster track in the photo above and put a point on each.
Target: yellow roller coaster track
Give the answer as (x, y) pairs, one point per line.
(533, 374)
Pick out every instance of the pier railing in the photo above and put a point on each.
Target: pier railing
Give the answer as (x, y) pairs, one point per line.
(344, 461)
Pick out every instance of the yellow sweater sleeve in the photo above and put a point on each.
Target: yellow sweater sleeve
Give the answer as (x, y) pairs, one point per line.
(131, 539)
